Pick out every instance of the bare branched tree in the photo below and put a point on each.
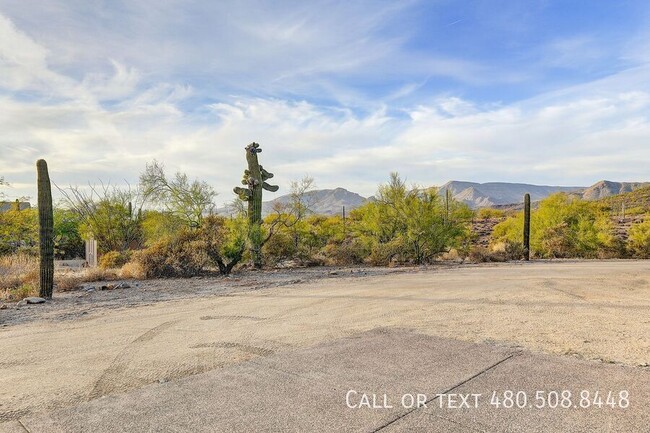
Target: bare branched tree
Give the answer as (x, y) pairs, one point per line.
(188, 200)
(291, 213)
(108, 214)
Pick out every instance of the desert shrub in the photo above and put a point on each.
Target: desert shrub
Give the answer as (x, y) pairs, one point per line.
(484, 255)
(639, 239)
(514, 250)
(219, 241)
(106, 215)
(224, 240)
(349, 252)
(114, 259)
(183, 255)
(279, 247)
(132, 270)
(508, 250)
(409, 224)
(635, 210)
(561, 227)
(68, 243)
(489, 213)
(66, 281)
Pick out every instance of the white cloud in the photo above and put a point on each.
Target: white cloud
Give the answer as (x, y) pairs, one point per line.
(103, 109)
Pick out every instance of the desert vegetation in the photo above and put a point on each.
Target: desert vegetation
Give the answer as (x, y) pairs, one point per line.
(167, 227)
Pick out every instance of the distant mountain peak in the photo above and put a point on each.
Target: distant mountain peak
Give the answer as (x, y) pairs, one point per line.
(322, 201)
(474, 194)
(477, 195)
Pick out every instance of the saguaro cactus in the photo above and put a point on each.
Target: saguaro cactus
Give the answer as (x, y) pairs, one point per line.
(527, 227)
(45, 231)
(255, 180)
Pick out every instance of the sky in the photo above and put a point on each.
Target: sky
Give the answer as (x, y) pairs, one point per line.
(541, 91)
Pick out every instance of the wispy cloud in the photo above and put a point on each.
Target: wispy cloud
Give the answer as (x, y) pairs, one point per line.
(346, 92)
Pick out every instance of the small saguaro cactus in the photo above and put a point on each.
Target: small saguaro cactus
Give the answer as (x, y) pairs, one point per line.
(255, 180)
(45, 231)
(527, 227)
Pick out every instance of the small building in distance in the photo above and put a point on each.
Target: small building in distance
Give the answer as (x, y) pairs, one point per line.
(6, 206)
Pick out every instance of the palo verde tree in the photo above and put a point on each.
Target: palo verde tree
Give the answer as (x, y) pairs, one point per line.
(411, 224)
(255, 180)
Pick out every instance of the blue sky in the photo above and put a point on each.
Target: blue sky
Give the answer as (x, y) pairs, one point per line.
(547, 92)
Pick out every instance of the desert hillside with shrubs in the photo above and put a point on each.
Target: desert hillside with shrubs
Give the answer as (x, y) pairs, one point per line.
(167, 227)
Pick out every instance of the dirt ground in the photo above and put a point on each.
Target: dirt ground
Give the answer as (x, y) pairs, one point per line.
(87, 344)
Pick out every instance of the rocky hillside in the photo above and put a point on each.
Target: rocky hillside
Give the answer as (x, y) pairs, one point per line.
(637, 200)
(509, 196)
(490, 194)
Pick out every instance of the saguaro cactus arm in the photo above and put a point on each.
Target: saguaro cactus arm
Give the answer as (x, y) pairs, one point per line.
(272, 188)
(243, 193)
(265, 174)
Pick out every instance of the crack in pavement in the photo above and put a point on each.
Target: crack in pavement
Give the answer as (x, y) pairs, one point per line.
(394, 420)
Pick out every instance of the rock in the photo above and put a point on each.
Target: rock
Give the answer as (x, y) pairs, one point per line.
(115, 286)
(334, 272)
(3, 306)
(21, 303)
(34, 300)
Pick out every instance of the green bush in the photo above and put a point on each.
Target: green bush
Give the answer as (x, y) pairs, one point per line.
(279, 247)
(19, 231)
(639, 239)
(224, 240)
(561, 227)
(489, 213)
(157, 225)
(350, 252)
(410, 225)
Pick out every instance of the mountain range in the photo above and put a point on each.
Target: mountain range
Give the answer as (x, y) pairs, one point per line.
(475, 195)
(321, 201)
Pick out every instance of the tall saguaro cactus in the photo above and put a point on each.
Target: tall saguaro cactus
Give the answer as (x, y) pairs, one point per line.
(255, 180)
(45, 231)
(527, 227)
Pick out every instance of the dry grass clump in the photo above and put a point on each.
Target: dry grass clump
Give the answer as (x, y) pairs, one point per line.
(71, 279)
(18, 276)
(484, 255)
(133, 270)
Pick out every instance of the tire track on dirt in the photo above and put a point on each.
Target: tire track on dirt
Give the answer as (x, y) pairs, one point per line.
(114, 375)
(255, 350)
